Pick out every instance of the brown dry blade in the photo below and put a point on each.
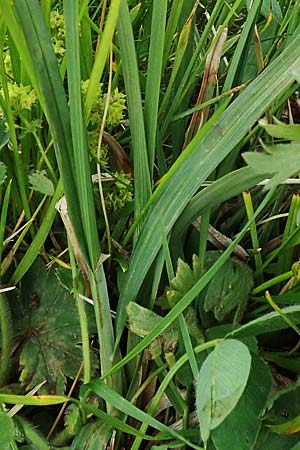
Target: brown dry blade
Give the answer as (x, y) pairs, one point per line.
(62, 208)
(119, 155)
(207, 87)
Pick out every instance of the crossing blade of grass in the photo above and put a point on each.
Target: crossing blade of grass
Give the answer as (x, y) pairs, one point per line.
(198, 160)
(101, 389)
(142, 184)
(216, 193)
(158, 23)
(55, 103)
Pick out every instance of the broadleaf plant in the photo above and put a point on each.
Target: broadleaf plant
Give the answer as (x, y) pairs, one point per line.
(46, 321)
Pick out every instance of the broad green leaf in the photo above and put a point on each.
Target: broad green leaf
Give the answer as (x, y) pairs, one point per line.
(289, 361)
(267, 323)
(284, 161)
(7, 429)
(229, 288)
(51, 349)
(246, 415)
(220, 384)
(143, 320)
(41, 183)
(276, 10)
(272, 441)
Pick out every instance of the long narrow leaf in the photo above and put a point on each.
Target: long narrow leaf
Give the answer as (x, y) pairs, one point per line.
(136, 119)
(81, 156)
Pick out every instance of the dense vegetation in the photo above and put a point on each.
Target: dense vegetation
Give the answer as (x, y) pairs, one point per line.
(149, 224)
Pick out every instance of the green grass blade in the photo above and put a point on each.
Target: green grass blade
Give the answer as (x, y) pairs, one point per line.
(101, 389)
(101, 56)
(80, 150)
(235, 73)
(136, 119)
(198, 161)
(159, 12)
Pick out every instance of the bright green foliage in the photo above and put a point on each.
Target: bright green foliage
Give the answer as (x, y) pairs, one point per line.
(229, 288)
(220, 384)
(20, 97)
(41, 183)
(52, 347)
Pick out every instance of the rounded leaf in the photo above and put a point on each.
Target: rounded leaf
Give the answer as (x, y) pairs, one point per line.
(220, 383)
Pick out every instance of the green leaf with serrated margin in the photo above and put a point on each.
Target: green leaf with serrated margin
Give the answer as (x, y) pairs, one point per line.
(46, 317)
(41, 183)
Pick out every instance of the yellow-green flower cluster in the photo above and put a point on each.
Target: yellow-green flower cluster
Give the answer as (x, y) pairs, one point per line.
(57, 26)
(20, 97)
(115, 114)
(121, 192)
(117, 104)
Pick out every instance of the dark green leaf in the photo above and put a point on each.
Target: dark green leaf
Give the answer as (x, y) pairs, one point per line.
(229, 288)
(246, 415)
(46, 315)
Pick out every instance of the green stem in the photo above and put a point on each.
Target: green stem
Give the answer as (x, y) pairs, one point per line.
(5, 339)
(262, 287)
(84, 329)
